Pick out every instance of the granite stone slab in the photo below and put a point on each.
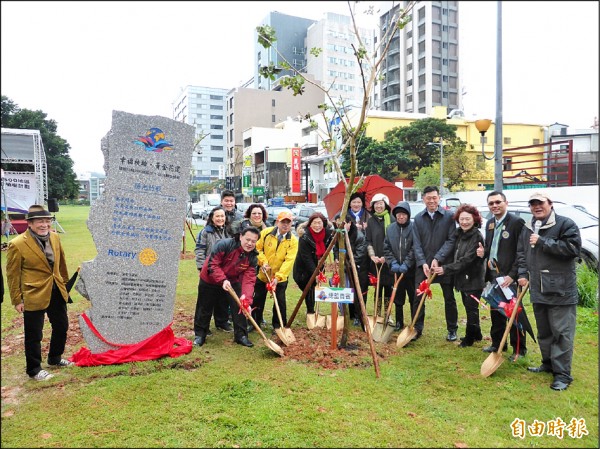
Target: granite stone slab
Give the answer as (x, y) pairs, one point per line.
(137, 225)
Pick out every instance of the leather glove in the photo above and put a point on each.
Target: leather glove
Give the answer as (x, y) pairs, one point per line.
(395, 268)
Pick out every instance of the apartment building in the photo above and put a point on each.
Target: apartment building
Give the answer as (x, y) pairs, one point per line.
(421, 69)
(204, 108)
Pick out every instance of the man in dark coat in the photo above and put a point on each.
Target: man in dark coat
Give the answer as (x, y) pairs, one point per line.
(501, 235)
(547, 253)
(434, 232)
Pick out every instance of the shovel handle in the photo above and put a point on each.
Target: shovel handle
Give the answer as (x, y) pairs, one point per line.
(245, 312)
(281, 323)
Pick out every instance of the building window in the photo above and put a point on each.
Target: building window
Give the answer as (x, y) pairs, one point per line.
(216, 97)
(216, 106)
(479, 162)
(273, 118)
(216, 159)
(536, 141)
(507, 141)
(216, 126)
(507, 163)
(273, 102)
(216, 148)
(220, 117)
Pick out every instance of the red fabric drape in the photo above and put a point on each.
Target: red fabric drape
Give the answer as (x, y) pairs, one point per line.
(158, 345)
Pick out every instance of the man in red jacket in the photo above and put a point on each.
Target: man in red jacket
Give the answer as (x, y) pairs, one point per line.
(232, 264)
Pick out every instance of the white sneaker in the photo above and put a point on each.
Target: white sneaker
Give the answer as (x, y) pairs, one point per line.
(42, 375)
(63, 362)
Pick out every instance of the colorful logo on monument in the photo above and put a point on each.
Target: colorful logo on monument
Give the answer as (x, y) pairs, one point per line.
(154, 140)
(148, 256)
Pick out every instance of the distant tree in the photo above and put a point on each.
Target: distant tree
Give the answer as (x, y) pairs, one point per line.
(415, 139)
(62, 182)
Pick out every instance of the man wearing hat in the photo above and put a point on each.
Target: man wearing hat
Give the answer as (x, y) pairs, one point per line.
(547, 253)
(36, 271)
(277, 248)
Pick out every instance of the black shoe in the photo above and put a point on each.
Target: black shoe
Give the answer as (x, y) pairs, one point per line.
(559, 385)
(244, 342)
(226, 327)
(199, 340)
(250, 328)
(539, 369)
(492, 348)
(451, 336)
(416, 337)
(399, 326)
(466, 342)
(209, 333)
(514, 355)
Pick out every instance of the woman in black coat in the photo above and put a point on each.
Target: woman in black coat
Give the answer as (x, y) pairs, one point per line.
(313, 239)
(467, 268)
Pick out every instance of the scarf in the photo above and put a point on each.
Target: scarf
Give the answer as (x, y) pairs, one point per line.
(44, 242)
(386, 219)
(357, 215)
(319, 238)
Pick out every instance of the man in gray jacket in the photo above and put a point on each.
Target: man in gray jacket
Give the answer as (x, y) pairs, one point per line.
(547, 253)
(434, 232)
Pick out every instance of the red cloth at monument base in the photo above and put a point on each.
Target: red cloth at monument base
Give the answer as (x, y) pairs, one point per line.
(158, 345)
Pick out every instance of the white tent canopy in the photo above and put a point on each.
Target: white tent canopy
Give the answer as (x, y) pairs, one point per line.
(24, 146)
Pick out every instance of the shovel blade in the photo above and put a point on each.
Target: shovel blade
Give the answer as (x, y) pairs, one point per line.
(407, 334)
(274, 347)
(311, 321)
(491, 364)
(282, 336)
(289, 335)
(339, 323)
(321, 320)
(382, 333)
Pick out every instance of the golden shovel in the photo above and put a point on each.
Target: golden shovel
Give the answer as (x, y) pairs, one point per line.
(285, 334)
(408, 333)
(383, 331)
(372, 320)
(270, 344)
(495, 359)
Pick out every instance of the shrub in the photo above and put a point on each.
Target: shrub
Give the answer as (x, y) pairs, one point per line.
(587, 286)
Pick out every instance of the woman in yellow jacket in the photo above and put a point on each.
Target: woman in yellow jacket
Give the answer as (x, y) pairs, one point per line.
(36, 271)
(277, 248)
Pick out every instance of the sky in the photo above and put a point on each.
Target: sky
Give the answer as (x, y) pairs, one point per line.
(79, 61)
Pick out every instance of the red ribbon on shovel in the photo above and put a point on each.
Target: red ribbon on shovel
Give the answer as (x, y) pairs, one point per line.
(424, 289)
(246, 304)
(372, 279)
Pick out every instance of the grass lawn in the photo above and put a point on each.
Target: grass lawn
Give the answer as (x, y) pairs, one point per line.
(429, 394)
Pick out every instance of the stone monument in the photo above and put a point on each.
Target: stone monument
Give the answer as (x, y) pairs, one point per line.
(137, 225)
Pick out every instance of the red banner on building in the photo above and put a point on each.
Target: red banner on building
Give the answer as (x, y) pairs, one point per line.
(296, 170)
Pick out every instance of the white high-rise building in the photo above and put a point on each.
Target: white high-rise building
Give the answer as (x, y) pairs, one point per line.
(205, 108)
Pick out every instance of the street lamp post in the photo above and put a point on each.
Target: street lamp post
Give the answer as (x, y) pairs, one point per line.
(482, 126)
(441, 145)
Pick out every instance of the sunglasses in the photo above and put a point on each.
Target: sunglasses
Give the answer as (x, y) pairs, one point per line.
(495, 203)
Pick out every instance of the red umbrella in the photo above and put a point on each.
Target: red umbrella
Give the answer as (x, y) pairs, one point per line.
(372, 184)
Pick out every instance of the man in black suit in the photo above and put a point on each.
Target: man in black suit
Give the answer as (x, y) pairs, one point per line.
(501, 235)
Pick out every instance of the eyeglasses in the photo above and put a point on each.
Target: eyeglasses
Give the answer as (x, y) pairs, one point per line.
(495, 203)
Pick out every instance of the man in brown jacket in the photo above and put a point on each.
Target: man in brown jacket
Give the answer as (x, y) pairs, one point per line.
(36, 271)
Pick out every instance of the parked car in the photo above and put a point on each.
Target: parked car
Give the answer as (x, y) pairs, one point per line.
(450, 203)
(588, 225)
(415, 208)
(273, 211)
(305, 211)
